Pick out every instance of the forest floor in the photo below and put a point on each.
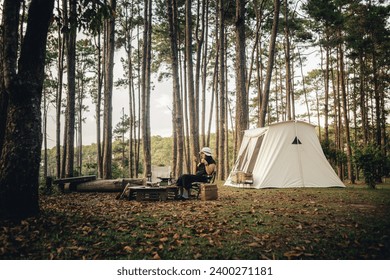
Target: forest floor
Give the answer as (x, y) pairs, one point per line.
(351, 223)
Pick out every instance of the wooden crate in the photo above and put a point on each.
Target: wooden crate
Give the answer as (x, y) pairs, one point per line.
(208, 192)
(149, 193)
(240, 177)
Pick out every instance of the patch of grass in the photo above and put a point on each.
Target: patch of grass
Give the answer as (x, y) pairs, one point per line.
(350, 223)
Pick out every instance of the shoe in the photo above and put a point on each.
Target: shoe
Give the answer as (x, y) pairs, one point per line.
(181, 198)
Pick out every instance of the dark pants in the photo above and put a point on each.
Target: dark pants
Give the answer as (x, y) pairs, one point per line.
(185, 181)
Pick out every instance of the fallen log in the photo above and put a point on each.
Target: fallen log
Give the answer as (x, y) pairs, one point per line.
(80, 179)
(68, 184)
(115, 185)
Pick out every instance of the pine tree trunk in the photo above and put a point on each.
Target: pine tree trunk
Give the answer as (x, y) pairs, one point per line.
(21, 152)
(213, 99)
(108, 87)
(146, 68)
(242, 115)
(99, 156)
(61, 52)
(199, 37)
(192, 98)
(326, 101)
(337, 122)
(259, 71)
(131, 106)
(44, 133)
(216, 81)
(177, 112)
(363, 109)
(205, 21)
(3, 94)
(289, 95)
(345, 116)
(222, 94)
(65, 42)
(70, 106)
(304, 89)
(271, 58)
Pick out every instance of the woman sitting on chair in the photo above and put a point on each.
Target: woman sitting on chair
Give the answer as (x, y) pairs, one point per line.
(205, 167)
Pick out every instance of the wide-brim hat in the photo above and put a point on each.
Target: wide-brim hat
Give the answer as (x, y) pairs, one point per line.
(206, 151)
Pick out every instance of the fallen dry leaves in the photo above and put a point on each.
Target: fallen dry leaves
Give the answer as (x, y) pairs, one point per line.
(242, 224)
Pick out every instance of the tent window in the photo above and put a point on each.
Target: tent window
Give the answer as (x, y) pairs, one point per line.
(254, 156)
(296, 141)
(240, 160)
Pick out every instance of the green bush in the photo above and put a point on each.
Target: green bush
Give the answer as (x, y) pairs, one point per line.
(372, 162)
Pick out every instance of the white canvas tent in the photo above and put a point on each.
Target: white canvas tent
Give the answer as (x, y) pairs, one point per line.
(282, 155)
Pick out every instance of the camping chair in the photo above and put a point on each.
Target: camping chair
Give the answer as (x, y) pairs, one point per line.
(196, 185)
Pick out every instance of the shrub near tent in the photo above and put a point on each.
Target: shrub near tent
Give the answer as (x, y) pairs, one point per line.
(283, 155)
